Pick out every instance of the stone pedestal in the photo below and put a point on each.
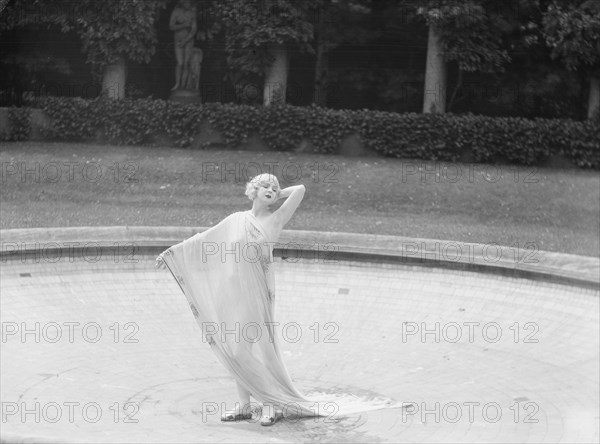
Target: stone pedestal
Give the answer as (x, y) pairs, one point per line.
(185, 96)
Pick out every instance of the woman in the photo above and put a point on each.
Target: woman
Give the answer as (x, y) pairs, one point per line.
(226, 276)
(232, 290)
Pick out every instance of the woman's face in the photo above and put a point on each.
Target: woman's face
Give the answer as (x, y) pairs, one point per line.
(267, 192)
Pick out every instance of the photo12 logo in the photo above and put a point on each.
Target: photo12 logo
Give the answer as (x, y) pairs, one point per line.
(241, 172)
(52, 252)
(471, 331)
(452, 251)
(255, 252)
(69, 331)
(83, 171)
(291, 411)
(469, 411)
(448, 172)
(253, 332)
(69, 411)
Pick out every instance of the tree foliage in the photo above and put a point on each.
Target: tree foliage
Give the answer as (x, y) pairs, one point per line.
(471, 33)
(542, 53)
(573, 33)
(107, 29)
(119, 27)
(251, 26)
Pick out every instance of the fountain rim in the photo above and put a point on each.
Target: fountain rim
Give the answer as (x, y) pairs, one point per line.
(491, 258)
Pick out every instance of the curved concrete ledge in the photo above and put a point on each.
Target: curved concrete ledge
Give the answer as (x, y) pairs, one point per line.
(527, 261)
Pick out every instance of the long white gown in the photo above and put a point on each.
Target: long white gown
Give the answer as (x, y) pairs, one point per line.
(226, 276)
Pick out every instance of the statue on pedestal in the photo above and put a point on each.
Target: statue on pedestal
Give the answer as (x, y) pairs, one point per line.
(184, 25)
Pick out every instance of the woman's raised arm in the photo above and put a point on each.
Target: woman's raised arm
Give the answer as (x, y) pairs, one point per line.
(294, 195)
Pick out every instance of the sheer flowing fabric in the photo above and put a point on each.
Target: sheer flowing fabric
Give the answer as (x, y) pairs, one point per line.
(226, 276)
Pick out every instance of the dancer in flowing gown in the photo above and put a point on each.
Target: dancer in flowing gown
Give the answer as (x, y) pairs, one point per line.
(226, 275)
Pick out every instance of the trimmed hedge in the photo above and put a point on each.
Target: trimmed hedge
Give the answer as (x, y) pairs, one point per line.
(448, 137)
(19, 125)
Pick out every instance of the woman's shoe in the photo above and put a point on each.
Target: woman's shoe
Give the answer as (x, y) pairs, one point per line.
(267, 420)
(234, 415)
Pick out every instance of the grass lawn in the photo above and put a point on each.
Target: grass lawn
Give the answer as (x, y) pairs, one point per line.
(97, 185)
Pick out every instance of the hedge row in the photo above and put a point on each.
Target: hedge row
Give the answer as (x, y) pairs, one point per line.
(445, 137)
(19, 124)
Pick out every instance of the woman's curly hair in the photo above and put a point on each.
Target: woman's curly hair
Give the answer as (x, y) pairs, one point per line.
(257, 181)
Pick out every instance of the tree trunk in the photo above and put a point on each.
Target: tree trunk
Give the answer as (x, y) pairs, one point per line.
(594, 97)
(276, 77)
(114, 79)
(434, 100)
